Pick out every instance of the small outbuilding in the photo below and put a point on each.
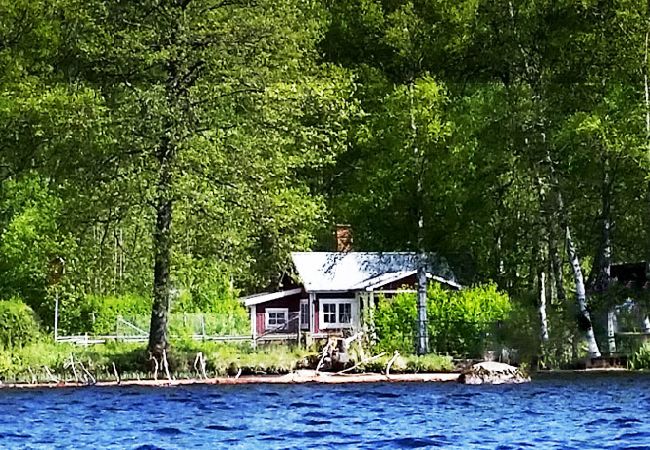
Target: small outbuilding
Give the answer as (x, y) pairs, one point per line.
(333, 291)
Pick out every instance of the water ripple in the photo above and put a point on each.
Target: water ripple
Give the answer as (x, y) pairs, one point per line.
(550, 413)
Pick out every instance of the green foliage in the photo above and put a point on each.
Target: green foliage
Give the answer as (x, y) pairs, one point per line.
(264, 122)
(429, 363)
(18, 324)
(464, 322)
(459, 322)
(641, 358)
(131, 360)
(409, 363)
(217, 312)
(102, 312)
(396, 323)
(29, 238)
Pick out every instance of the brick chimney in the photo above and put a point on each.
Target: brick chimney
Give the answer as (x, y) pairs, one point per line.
(343, 237)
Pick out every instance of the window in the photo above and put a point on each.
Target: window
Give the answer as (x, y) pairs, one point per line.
(304, 314)
(345, 312)
(276, 317)
(329, 313)
(337, 313)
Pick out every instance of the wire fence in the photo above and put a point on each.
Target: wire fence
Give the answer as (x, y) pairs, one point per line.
(186, 324)
(197, 326)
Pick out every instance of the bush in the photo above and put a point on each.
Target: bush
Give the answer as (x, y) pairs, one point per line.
(104, 311)
(459, 322)
(396, 323)
(465, 322)
(18, 324)
(641, 358)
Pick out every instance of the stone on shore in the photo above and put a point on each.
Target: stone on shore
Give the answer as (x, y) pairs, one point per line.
(490, 372)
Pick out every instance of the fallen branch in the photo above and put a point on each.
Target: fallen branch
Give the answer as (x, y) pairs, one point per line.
(51, 375)
(392, 360)
(155, 369)
(165, 365)
(74, 369)
(360, 363)
(327, 350)
(354, 337)
(89, 378)
(117, 375)
(200, 361)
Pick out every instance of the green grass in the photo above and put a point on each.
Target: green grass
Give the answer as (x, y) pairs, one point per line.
(42, 360)
(412, 364)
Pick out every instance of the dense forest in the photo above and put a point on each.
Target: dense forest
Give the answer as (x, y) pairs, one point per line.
(161, 146)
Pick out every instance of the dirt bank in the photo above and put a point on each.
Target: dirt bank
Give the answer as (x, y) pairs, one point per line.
(298, 377)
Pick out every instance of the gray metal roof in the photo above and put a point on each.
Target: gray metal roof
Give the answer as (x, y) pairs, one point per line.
(336, 272)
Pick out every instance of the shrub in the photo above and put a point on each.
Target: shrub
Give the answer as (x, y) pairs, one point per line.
(396, 323)
(459, 322)
(641, 358)
(105, 310)
(465, 322)
(18, 324)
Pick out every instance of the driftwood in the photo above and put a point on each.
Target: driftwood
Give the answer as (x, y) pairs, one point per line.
(392, 360)
(34, 380)
(165, 365)
(118, 380)
(309, 376)
(199, 363)
(51, 375)
(74, 369)
(89, 378)
(351, 339)
(360, 363)
(155, 368)
(327, 351)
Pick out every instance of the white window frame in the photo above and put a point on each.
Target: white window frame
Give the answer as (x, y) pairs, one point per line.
(284, 311)
(304, 324)
(337, 301)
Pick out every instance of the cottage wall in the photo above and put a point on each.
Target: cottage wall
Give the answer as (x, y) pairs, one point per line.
(292, 303)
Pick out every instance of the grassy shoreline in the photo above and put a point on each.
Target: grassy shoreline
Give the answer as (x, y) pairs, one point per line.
(46, 362)
(298, 377)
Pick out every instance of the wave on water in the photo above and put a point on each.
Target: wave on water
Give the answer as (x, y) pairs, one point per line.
(546, 414)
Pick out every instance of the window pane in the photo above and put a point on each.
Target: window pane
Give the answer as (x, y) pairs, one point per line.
(345, 312)
(304, 314)
(329, 313)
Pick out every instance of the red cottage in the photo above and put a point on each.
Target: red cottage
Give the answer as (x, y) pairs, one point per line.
(334, 292)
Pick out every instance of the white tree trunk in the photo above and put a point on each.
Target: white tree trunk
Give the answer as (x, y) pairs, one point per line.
(611, 330)
(581, 296)
(542, 307)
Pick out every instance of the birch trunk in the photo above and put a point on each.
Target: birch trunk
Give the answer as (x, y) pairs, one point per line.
(581, 296)
(556, 265)
(645, 85)
(542, 307)
(423, 335)
(611, 330)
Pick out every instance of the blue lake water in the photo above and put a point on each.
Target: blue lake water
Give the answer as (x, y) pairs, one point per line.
(582, 412)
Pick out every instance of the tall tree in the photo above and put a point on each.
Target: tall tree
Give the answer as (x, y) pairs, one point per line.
(198, 91)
